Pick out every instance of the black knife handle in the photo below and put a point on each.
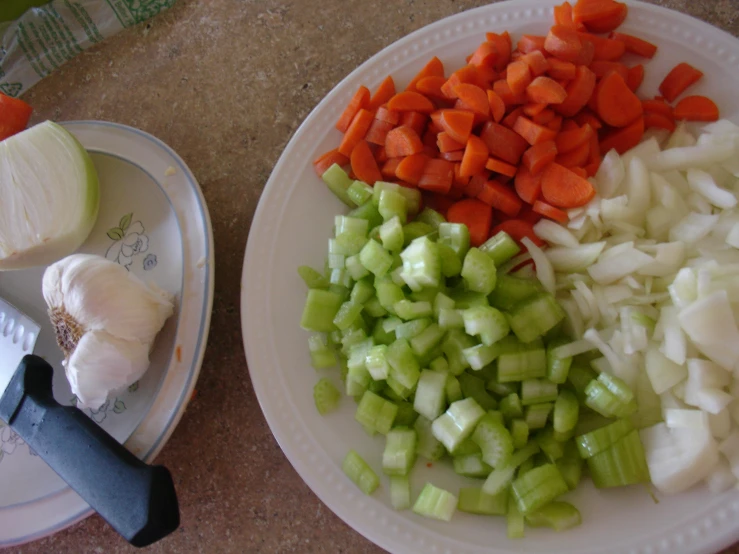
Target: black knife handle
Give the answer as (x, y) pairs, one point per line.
(137, 500)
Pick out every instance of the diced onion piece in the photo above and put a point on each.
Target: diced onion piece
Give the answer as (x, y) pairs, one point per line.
(610, 174)
(703, 183)
(663, 373)
(710, 324)
(687, 157)
(668, 258)
(574, 259)
(619, 265)
(544, 269)
(693, 227)
(686, 419)
(554, 233)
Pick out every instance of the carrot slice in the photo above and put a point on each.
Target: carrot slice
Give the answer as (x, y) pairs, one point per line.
(563, 43)
(453, 156)
(414, 120)
(437, 202)
(594, 154)
(518, 77)
(533, 109)
(475, 157)
(496, 166)
(616, 104)
(504, 91)
(466, 74)
(356, 131)
(380, 154)
(459, 181)
(657, 106)
(537, 62)
(544, 90)
(402, 141)
(437, 176)
(605, 48)
(579, 171)
(384, 92)
(539, 156)
(389, 167)
(433, 68)
(500, 197)
(681, 77)
(377, 132)
(456, 123)
(477, 215)
(592, 168)
(635, 45)
(563, 15)
(502, 44)
(390, 116)
(531, 132)
(599, 16)
(518, 229)
(576, 157)
(410, 168)
(324, 161)
(587, 53)
(476, 183)
(555, 124)
(543, 117)
(510, 120)
(696, 108)
(360, 100)
(586, 117)
(410, 101)
(445, 143)
(625, 138)
(485, 55)
(529, 43)
(635, 77)
(658, 121)
(559, 69)
(431, 87)
(578, 92)
(503, 143)
(528, 184)
(497, 106)
(551, 212)
(569, 125)
(363, 163)
(569, 140)
(562, 188)
(603, 68)
(475, 98)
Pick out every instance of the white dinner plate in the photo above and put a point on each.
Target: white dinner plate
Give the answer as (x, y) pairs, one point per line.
(293, 221)
(153, 220)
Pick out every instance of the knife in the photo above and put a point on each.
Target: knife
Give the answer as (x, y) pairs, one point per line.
(138, 500)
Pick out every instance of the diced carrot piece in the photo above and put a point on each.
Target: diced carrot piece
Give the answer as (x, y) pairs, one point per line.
(680, 78)
(497, 166)
(477, 215)
(696, 108)
(518, 229)
(576, 157)
(363, 163)
(551, 212)
(603, 68)
(383, 114)
(410, 101)
(587, 53)
(605, 49)
(384, 92)
(475, 157)
(635, 45)
(389, 167)
(578, 92)
(537, 62)
(485, 55)
(599, 16)
(459, 181)
(402, 141)
(543, 117)
(502, 89)
(555, 124)
(616, 104)
(510, 120)
(410, 168)
(529, 43)
(658, 121)
(437, 176)
(359, 101)
(518, 77)
(433, 68)
(536, 158)
(531, 132)
(466, 74)
(563, 43)
(453, 156)
(528, 184)
(592, 168)
(377, 132)
(474, 97)
(503, 143)
(594, 154)
(563, 15)
(500, 197)
(324, 161)
(446, 143)
(502, 44)
(623, 139)
(569, 140)
(544, 90)
(431, 87)
(456, 123)
(534, 109)
(414, 120)
(497, 106)
(586, 117)
(635, 77)
(562, 188)
(476, 183)
(380, 155)
(579, 171)
(657, 106)
(559, 69)
(356, 131)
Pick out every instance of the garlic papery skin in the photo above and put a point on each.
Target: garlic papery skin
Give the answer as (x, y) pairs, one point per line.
(105, 319)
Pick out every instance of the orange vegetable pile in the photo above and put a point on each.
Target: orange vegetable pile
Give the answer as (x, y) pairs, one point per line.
(514, 135)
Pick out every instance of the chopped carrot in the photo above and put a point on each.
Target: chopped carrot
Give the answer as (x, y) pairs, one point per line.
(377, 132)
(579, 171)
(431, 86)
(384, 92)
(476, 183)
(459, 181)
(658, 121)
(389, 167)
(569, 125)
(635, 77)
(429, 137)
(357, 130)
(500, 197)
(635, 45)
(681, 77)
(466, 74)
(518, 77)
(586, 117)
(496, 166)
(537, 62)
(551, 212)
(539, 156)
(528, 184)
(456, 123)
(323, 162)
(390, 116)
(592, 168)
(510, 120)
(696, 108)
(563, 43)
(616, 104)
(587, 53)
(569, 140)
(380, 154)
(505, 93)
(363, 163)
(503, 46)
(437, 176)
(555, 124)
(410, 168)
(534, 109)
(529, 43)
(503, 143)
(402, 141)
(562, 188)
(576, 157)
(606, 49)
(446, 143)
(563, 15)
(485, 55)
(475, 157)
(602, 68)
(625, 138)
(599, 16)
(433, 68)
(544, 90)
(431, 151)
(531, 132)
(477, 215)
(497, 106)
(578, 92)
(473, 97)
(414, 120)
(559, 69)
(518, 229)
(543, 117)
(410, 101)
(453, 156)
(359, 101)
(657, 106)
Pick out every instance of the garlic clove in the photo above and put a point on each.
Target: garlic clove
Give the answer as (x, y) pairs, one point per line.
(103, 364)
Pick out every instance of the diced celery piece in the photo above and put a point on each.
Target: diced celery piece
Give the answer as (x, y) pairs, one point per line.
(430, 399)
(376, 413)
(338, 182)
(559, 516)
(320, 354)
(360, 473)
(570, 465)
(500, 389)
(494, 440)
(603, 438)
(453, 389)
(579, 376)
(519, 366)
(509, 291)
(359, 192)
(411, 328)
(393, 204)
(312, 278)
(471, 465)
(400, 451)
(514, 519)
(421, 264)
(566, 413)
(388, 294)
(442, 301)
(451, 265)
(500, 247)
(435, 503)
(480, 355)
(511, 406)
(478, 271)
(400, 391)
(391, 234)
(336, 261)
(457, 423)
(428, 445)
(424, 295)
(536, 415)
(375, 258)
(536, 391)
(354, 267)
(474, 501)
(406, 416)
(501, 477)
(453, 346)
(557, 367)
(466, 448)
(411, 195)
(341, 277)
(538, 488)
(449, 318)
(362, 291)
(405, 309)
(376, 362)
(404, 366)
(347, 315)
(519, 433)
(550, 446)
(464, 299)
(379, 334)
(610, 396)
(439, 364)
(320, 309)
(369, 212)
(415, 229)
(455, 235)
(427, 339)
(624, 463)
(325, 396)
(533, 317)
(474, 387)
(485, 322)
(400, 492)
(347, 224)
(430, 217)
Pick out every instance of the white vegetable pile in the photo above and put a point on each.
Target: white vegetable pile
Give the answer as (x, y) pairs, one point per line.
(648, 273)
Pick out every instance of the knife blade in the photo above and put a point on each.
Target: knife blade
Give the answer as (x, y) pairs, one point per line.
(138, 500)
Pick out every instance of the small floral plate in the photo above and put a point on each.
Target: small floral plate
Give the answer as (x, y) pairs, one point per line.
(154, 222)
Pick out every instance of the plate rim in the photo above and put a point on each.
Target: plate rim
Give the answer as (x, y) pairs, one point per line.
(76, 508)
(252, 347)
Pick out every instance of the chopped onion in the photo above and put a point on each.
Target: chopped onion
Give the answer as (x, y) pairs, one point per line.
(610, 175)
(553, 233)
(617, 266)
(704, 184)
(710, 324)
(574, 259)
(544, 269)
(693, 227)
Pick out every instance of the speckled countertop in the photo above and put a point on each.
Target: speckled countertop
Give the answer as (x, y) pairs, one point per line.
(226, 83)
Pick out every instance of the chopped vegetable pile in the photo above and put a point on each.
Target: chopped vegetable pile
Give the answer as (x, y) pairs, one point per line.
(536, 277)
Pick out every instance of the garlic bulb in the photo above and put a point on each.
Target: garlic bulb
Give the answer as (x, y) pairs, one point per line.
(105, 319)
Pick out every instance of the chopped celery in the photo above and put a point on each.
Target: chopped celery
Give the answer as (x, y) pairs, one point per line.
(360, 473)
(536, 415)
(566, 412)
(430, 399)
(347, 315)
(511, 406)
(538, 487)
(362, 291)
(435, 503)
(453, 346)
(400, 492)
(376, 362)
(474, 387)
(354, 267)
(338, 182)
(559, 516)
(550, 446)
(610, 396)
(369, 212)
(325, 396)
(453, 389)
(451, 265)
(533, 317)
(312, 278)
(455, 235)
(439, 364)
(400, 451)
(398, 389)
(579, 376)
(514, 519)
(411, 195)
(537, 391)
(405, 309)
(464, 299)
(428, 445)
(599, 440)
(412, 328)
(485, 322)
(509, 291)
(449, 318)
(494, 440)
(457, 423)
(478, 271)
(379, 334)
(442, 301)
(421, 264)
(406, 416)
(321, 355)
(391, 235)
(500, 247)
(466, 448)
(359, 192)
(557, 367)
(404, 366)
(522, 365)
(570, 465)
(376, 413)
(624, 463)
(415, 229)
(375, 258)
(388, 293)
(347, 224)
(519, 433)
(320, 309)
(393, 204)
(474, 501)
(471, 465)
(500, 478)
(480, 355)
(500, 389)
(430, 217)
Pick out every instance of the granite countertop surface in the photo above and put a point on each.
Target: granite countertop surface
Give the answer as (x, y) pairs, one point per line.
(226, 83)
